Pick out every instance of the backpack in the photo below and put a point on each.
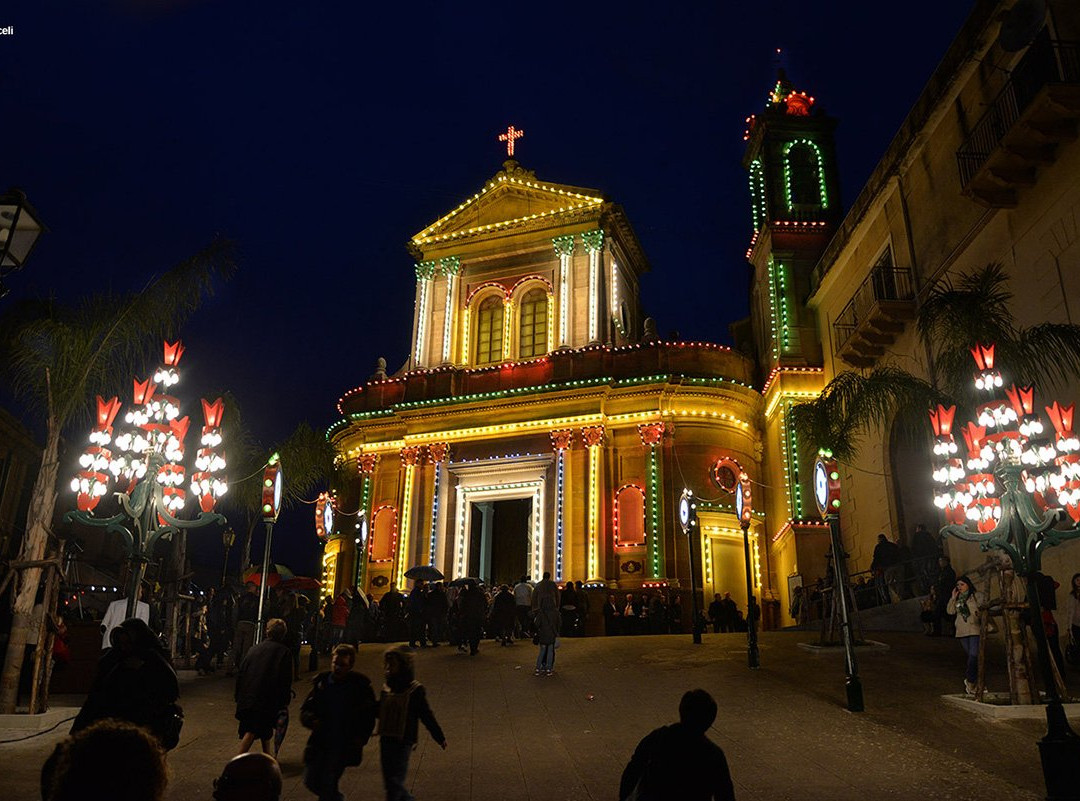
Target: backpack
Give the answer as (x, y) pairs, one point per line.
(394, 712)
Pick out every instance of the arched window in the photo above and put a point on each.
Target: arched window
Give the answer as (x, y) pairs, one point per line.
(533, 324)
(384, 534)
(803, 172)
(630, 516)
(489, 330)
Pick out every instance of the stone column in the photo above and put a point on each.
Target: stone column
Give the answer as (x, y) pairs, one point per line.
(564, 249)
(561, 440)
(651, 435)
(594, 242)
(450, 267)
(425, 272)
(439, 453)
(593, 436)
(410, 457)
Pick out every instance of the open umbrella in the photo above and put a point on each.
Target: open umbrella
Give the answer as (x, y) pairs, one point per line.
(424, 573)
(300, 583)
(278, 573)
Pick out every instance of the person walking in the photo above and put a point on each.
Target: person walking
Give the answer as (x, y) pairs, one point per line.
(414, 612)
(247, 611)
(402, 705)
(680, 756)
(436, 607)
(546, 627)
(523, 591)
(730, 613)
(473, 606)
(136, 683)
(340, 711)
(503, 616)
(263, 687)
(964, 602)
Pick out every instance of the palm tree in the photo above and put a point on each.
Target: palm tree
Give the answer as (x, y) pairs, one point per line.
(57, 356)
(307, 461)
(951, 321)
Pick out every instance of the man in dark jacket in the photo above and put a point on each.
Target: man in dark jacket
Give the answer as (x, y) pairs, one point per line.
(340, 711)
(414, 608)
(263, 687)
(885, 565)
(945, 582)
(473, 606)
(680, 756)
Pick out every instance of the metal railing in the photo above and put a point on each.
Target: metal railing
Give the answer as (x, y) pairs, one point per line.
(884, 283)
(1046, 62)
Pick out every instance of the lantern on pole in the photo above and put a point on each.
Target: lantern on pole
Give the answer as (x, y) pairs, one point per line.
(273, 481)
(732, 478)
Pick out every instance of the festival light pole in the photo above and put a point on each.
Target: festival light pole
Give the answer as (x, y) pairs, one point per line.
(827, 497)
(688, 521)
(271, 508)
(731, 477)
(147, 470)
(228, 538)
(1020, 492)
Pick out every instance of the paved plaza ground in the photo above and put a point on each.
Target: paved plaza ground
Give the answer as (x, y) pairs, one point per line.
(784, 727)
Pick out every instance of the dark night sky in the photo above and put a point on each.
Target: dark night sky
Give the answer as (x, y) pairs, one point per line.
(320, 136)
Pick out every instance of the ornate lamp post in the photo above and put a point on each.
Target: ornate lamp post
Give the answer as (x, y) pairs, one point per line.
(1020, 493)
(271, 508)
(731, 477)
(19, 232)
(148, 470)
(689, 523)
(827, 497)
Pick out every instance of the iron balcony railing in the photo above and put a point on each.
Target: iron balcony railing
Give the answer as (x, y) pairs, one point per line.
(881, 285)
(1046, 62)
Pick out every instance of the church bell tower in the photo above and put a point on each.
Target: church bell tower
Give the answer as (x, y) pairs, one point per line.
(794, 210)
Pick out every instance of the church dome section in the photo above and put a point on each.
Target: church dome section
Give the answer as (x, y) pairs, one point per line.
(521, 269)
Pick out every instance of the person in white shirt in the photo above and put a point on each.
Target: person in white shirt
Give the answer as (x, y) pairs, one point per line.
(523, 602)
(117, 614)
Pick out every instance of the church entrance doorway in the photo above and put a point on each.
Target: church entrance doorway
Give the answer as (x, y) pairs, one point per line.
(499, 540)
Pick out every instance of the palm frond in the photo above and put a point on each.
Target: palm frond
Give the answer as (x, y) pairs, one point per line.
(974, 309)
(1047, 355)
(854, 403)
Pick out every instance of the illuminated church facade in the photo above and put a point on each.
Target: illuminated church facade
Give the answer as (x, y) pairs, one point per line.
(539, 424)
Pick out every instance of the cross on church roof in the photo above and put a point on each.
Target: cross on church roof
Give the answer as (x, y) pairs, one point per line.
(511, 134)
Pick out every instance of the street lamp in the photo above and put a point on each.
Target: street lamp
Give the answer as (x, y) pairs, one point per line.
(732, 478)
(271, 508)
(228, 537)
(827, 497)
(20, 228)
(1020, 492)
(148, 471)
(688, 521)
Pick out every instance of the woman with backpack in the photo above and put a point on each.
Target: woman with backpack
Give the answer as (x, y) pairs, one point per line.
(402, 704)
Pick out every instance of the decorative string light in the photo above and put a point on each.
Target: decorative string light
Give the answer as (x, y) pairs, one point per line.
(819, 170)
(758, 213)
(439, 454)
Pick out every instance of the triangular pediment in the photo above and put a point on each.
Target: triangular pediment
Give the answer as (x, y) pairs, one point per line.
(512, 198)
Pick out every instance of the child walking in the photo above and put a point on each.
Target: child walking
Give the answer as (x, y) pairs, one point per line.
(402, 704)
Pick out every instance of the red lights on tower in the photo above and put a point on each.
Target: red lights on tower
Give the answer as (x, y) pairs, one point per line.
(511, 134)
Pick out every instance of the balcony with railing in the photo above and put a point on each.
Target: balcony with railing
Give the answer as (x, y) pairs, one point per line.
(1035, 112)
(875, 316)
